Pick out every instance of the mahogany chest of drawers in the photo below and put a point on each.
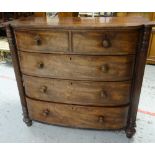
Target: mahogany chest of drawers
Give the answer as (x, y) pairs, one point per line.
(80, 72)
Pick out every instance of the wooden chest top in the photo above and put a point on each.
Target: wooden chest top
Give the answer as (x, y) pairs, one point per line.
(81, 22)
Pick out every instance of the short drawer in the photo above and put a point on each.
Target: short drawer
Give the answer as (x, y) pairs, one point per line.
(97, 68)
(78, 116)
(78, 92)
(42, 40)
(105, 42)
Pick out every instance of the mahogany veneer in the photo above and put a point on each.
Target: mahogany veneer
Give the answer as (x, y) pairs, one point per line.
(80, 72)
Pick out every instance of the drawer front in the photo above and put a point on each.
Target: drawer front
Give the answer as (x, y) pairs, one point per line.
(42, 41)
(78, 92)
(98, 68)
(78, 116)
(105, 42)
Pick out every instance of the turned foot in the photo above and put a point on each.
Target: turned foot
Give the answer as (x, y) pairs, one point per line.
(130, 131)
(27, 121)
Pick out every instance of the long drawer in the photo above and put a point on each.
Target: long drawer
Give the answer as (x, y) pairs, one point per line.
(42, 40)
(97, 68)
(78, 92)
(105, 42)
(78, 116)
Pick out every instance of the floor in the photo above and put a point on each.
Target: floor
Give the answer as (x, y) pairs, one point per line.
(12, 128)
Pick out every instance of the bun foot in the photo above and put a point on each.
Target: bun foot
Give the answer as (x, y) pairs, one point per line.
(130, 132)
(27, 121)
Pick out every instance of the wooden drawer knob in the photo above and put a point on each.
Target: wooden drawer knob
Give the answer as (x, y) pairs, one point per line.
(103, 94)
(106, 43)
(104, 68)
(43, 89)
(37, 40)
(40, 65)
(101, 119)
(45, 112)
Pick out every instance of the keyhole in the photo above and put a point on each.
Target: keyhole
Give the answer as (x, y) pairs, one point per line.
(71, 83)
(70, 58)
(73, 108)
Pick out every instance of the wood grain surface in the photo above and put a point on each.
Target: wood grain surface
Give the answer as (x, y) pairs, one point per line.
(78, 116)
(42, 40)
(82, 23)
(78, 92)
(92, 42)
(97, 68)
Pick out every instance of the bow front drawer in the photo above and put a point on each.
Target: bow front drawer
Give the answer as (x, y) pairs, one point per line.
(97, 68)
(78, 92)
(105, 42)
(41, 41)
(78, 116)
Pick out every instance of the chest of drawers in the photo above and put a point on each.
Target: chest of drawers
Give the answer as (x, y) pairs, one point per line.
(80, 72)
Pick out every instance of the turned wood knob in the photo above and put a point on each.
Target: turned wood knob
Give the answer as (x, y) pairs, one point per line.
(103, 94)
(101, 119)
(37, 40)
(104, 68)
(40, 65)
(45, 112)
(106, 43)
(43, 89)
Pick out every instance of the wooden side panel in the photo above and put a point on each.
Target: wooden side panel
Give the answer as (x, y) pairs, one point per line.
(138, 79)
(105, 42)
(151, 52)
(78, 116)
(78, 92)
(97, 68)
(42, 40)
(15, 60)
